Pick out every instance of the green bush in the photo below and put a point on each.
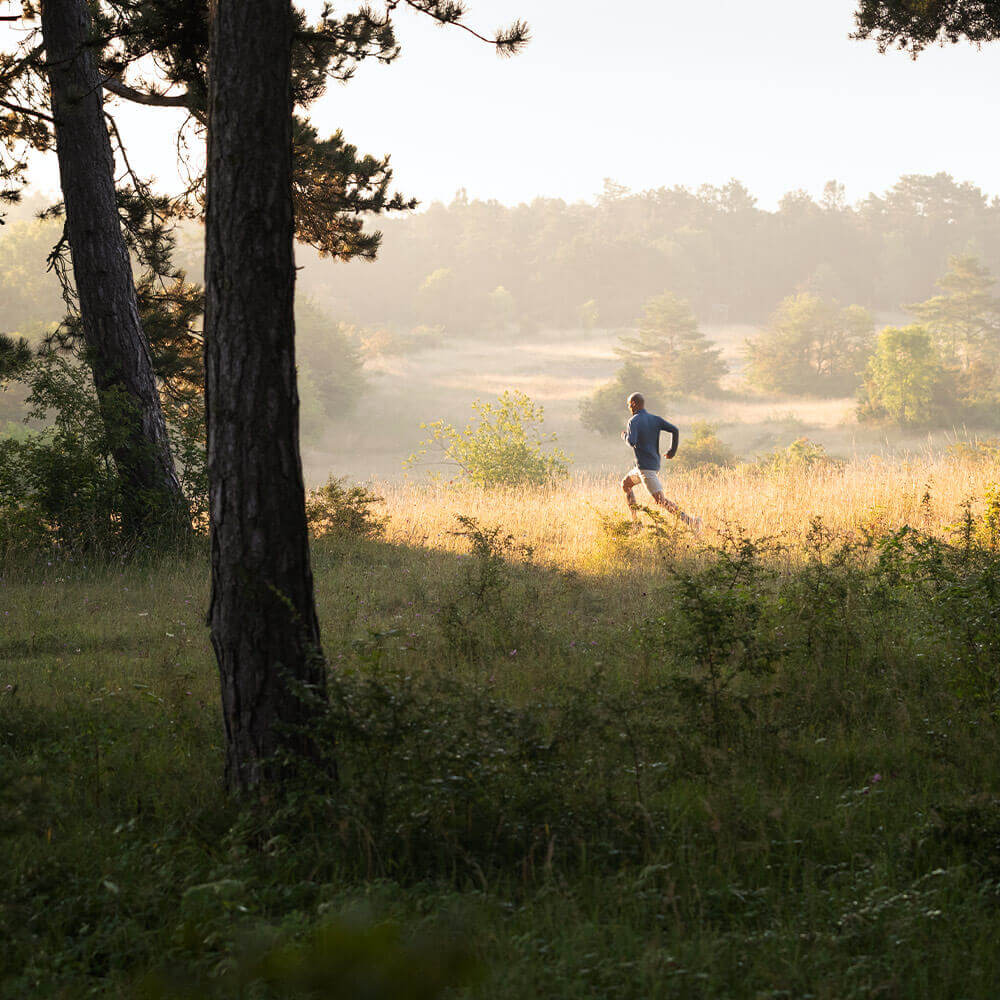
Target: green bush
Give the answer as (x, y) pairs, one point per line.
(811, 346)
(336, 510)
(59, 486)
(801, 453)
(704, 449)
(502, 445)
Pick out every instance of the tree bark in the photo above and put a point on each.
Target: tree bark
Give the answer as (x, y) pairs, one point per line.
(262, 614)
(117, 350)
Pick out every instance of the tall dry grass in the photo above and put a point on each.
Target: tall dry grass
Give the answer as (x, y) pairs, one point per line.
(563, 524)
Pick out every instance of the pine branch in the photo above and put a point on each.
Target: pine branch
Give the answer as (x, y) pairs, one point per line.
(150, 99)
(19, 109)
(507, 41)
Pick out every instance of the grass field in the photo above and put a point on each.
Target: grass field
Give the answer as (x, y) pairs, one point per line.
(584, 761)
(558, 369)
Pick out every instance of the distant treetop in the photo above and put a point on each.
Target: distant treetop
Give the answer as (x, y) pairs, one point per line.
(915, 24)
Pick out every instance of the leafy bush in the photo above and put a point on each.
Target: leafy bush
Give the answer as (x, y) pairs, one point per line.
(720, 621)
(801, 453)
(704, 449)
(59, 486)
(502, 445)
(336, 510)
(338, 960)
(978, 450)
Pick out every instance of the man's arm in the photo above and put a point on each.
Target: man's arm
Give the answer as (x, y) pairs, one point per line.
(675, 437)
(629, 434)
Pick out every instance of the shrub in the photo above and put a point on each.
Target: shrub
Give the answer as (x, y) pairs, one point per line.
(336, 510)
(59, 486)
(978, 450)
(801, 453)
(503, 445)
(704, 448)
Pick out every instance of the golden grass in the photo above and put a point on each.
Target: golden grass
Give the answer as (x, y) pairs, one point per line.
(564, 524)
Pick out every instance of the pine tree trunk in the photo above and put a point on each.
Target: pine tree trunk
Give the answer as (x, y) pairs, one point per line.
(117, 350)
(262, 615)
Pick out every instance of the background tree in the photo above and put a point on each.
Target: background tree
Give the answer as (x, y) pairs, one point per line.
(905, 382)
(671, 348)
(329, 367)
(811, 346)
(965, 319)
(604, 410)
(116, 348)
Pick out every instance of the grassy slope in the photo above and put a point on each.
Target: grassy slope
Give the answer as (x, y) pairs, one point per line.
(796, 851)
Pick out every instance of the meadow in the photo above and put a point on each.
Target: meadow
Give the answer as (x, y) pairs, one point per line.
(575, 760)
(560, 368)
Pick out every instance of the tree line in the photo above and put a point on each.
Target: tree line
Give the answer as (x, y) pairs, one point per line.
(472, 265)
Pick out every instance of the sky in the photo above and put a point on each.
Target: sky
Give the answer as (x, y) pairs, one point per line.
(652, 93)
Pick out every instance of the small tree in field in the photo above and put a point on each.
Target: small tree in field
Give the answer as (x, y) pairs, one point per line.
(964, 321)
(905, 382)
(811, 346)
(502, 445)
(604, 411)
(671, 348)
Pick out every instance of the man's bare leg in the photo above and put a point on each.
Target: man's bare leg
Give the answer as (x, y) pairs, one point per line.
(629, 484)
(692, 522)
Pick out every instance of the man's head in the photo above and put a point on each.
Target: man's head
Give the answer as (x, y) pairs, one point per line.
(635, 402)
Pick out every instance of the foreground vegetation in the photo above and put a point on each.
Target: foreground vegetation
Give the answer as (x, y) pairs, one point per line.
(574, 760)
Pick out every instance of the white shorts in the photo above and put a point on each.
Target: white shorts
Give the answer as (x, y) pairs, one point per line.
(649, 478)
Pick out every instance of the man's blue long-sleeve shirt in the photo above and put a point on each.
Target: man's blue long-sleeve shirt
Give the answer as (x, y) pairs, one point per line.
(643, 433)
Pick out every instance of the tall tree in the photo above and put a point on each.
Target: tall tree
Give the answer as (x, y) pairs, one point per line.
(116, 348)
(965, 318)
(262, 614)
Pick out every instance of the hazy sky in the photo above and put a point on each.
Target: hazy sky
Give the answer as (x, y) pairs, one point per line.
(667, 92)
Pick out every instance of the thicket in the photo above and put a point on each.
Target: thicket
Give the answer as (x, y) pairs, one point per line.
(811, 346)
(60, 490)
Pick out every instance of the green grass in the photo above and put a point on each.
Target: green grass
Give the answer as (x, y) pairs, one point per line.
(536, 774)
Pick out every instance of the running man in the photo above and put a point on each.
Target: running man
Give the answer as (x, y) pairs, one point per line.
(642, 433)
